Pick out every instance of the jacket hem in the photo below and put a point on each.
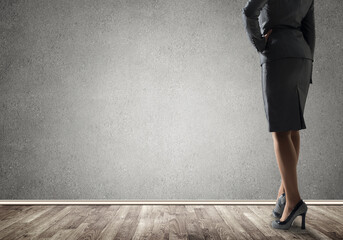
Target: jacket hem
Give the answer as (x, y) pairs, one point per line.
(279, 58)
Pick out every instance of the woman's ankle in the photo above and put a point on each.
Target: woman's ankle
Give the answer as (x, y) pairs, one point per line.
(279, 194)
(281, 191)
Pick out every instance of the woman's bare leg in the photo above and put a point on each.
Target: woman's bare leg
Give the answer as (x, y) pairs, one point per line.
(295, 136)
(286, 156)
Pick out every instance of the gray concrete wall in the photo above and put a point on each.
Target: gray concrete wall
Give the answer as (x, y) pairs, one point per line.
(154, 100)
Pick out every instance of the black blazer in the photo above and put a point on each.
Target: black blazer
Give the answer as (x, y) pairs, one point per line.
(293, 27)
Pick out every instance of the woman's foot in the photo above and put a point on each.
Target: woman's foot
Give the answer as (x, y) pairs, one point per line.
(288, 209)
(299, 209)
(279, 206)
(279, 194)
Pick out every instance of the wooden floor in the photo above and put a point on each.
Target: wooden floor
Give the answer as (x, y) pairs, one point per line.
(163, 222)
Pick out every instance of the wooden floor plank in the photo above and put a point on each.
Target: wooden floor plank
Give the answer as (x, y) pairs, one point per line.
(76, 233)
(130, 223)
(232, 222)
(220, 225)
(317, 221)
(249, 227)
(60, 234)
(33, 228)
(257, 220)
(145, 223)
(11, 211)
(96, 223)
(333, 220)
(160, 228)
(336, 212)
(35, 214)
(177, 223)
(72, 220)
(115, 222)
(193, 227)
(19, 228)
(209, 230)
(13, 217)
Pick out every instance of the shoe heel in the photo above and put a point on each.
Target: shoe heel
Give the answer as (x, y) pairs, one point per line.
(303, 220)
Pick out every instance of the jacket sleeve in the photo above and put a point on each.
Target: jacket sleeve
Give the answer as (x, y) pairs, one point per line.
(250, 14)
(308, 29)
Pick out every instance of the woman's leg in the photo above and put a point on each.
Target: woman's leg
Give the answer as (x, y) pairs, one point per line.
(295, 136)
(286, 156)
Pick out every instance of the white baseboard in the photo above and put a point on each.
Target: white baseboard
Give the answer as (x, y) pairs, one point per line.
(158, 202)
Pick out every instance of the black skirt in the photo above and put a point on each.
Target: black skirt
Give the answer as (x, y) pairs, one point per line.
(285, 84)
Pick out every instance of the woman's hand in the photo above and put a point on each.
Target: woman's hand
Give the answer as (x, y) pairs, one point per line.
(267, 35)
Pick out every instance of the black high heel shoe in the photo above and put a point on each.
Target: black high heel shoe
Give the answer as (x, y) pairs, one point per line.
(299, 209)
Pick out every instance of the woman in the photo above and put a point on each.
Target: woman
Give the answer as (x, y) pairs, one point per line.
(286, 50)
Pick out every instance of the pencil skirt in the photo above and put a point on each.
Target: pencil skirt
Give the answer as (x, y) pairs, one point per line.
(285, 84)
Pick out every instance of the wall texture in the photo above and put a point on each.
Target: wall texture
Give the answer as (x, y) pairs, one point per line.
(154, 100)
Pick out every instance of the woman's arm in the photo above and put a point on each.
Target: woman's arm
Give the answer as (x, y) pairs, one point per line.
(308, 28)
(250, 13)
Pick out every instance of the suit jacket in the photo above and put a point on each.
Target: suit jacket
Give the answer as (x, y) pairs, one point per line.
(293, 28)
